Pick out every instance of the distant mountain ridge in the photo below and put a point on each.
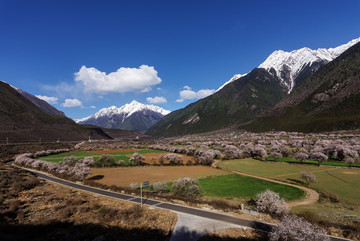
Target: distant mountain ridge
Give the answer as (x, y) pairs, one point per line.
(42, 104)
(328, 100)
(134, 116)
(293, 67)
(244, 97)
(22, 121)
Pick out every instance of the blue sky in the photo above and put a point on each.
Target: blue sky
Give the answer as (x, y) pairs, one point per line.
(87, 55)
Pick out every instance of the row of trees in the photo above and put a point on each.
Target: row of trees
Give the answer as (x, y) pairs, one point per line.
(290, 227)
(77, 171)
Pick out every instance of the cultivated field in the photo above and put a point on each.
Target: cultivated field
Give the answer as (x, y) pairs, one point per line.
(152, 156)
(240, 186)
(342, 182)
(125, 175)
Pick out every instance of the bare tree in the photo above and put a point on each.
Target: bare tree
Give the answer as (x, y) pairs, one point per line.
(308, 177)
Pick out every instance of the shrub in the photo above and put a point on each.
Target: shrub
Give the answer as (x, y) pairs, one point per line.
(258, 152)
(69, 160)
(319, 157)
(134, 185)
(308, 177)
(301, 156)
(89, 161)
(174, 159)
(292, 227)
(187, 187)
(343, 151)
(121, 163)
(275, 155)
(161, 187)
(105, 160)
(81, 170)
(349, 161)
(270, 202)
(136, 159)
(285, 151)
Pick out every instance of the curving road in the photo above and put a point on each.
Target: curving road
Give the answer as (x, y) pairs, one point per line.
(165, 205)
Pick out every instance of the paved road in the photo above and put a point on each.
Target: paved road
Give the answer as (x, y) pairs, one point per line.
(169, 206)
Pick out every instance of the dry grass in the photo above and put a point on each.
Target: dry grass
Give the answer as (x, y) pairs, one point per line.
(126, 175)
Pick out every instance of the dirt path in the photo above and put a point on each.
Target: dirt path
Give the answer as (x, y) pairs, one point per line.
(310, 198)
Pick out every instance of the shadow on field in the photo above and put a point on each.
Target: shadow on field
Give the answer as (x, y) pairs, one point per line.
(71, 231)
(296, 181)
(97, 177)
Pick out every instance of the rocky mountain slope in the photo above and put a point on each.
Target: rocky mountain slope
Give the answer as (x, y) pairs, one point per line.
(237, 102)
(22, 120)
(134, 116)
(293, 67)
(43, 105)
(244, 97)
(328, 100)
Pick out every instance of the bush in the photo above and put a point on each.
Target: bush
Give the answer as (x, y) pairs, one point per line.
(81, 170)
(121, 163)
(308, 177)
(105, 160)
(301, 156)
(69, 160)
(161, 187)
(270, 202)
(137, 159)
(319, 157)
(174, 159)
(187, 187)
(275, 155)
(134, 185)
(296, 228)
(89, 161)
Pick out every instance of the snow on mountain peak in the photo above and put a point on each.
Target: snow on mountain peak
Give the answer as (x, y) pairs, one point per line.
(235, 77)
(127, 109)
(295, 61)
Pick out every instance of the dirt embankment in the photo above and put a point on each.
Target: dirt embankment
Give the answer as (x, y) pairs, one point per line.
(39, 210)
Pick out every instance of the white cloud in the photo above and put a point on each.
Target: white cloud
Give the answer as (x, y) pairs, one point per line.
(72, 103)
(123, 80)
(156, 100)
(50, 100)
(189, 94)
(93, 107)
(204, 93)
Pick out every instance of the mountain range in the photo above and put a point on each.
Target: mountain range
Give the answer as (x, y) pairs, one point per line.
(134, 116)
(245, 98)
(328, 100)
(24, 117)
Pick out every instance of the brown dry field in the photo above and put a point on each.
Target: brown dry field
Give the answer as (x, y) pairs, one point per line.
(123, 176)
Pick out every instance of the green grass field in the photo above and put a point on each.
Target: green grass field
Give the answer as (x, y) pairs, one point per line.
(343, 182)
(239, 186)
(313, 162)
(80, 155)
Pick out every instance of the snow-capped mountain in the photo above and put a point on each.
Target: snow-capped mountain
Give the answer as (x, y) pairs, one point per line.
(288, 66)
(235, 77)
(293, 67)
(134, 116)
